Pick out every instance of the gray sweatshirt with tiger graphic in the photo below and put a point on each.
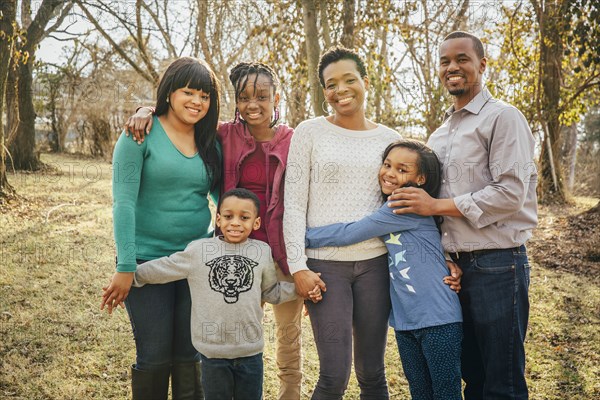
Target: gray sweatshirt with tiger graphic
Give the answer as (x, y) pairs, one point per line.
(227, 283)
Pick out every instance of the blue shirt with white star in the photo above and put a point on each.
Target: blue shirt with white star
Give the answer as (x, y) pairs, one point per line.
(417, 266)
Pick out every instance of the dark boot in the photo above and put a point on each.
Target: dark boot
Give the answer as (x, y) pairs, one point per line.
(150, 385)
(186, 381)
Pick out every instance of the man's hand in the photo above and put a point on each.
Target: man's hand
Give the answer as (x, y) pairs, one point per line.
(412, 200)
(417, 201)
(305, 282)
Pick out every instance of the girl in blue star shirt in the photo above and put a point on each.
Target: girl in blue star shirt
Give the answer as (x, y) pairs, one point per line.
(426, 313)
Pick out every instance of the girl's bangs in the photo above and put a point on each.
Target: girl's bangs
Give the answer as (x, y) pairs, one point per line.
(194, 76)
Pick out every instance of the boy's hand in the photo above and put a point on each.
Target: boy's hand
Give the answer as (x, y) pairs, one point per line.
(139, 124)
(116, 292)
(315, 295)
(455, 276)
(305, 280)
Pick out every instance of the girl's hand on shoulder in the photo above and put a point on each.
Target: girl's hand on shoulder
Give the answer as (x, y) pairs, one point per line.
(139, 124)
(116, 292)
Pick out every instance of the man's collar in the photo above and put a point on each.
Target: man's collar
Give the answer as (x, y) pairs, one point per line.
(476, 103)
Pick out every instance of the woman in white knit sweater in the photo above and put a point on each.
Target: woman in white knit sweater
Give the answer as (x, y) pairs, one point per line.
(330, 178)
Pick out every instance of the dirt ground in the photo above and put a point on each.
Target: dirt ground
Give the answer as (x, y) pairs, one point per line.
(568, 238)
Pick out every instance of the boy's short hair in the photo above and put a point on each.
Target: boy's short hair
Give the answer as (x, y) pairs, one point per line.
(241, 193)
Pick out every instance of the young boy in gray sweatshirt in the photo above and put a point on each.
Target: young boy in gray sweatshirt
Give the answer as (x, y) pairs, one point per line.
(228, 276)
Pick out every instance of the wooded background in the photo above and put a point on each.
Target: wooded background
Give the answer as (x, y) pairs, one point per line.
(544, 58)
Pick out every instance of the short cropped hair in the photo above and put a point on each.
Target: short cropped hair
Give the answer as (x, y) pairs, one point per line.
(337, 53)
(477, 45)
(241, 193)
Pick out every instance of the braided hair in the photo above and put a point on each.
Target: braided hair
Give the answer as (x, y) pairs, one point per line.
(239, 79)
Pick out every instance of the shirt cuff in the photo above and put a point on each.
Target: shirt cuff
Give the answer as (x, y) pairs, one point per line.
(298, 267)
(151, 109)
(469, 209)
(136, 282)
(126, 267)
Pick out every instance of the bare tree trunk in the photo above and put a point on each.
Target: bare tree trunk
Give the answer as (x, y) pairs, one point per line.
(8, 12)
(551, 187)
(379, 87)
(324, 18)
(296, 110)
(23, 148)
(312, 55)
(347, 39)
(569, 152)
(12, 108)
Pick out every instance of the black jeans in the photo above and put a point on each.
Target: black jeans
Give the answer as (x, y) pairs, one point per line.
(353, 314)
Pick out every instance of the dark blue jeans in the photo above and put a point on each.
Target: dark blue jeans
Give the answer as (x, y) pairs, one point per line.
(236, 378)
(160, 318)
(431, 361)
(495, 306)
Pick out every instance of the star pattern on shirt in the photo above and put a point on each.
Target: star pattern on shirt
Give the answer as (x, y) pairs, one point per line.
(394, 239)
(404, 273)
(398, 258)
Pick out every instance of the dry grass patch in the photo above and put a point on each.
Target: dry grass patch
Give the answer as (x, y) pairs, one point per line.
(57, 251)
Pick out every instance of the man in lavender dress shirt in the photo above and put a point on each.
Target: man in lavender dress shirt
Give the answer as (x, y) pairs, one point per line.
(489, 205)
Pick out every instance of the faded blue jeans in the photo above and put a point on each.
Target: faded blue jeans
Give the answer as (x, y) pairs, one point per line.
(237, 378)
(495, 306)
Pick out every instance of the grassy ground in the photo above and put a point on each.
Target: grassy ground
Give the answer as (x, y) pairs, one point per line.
(56, 252)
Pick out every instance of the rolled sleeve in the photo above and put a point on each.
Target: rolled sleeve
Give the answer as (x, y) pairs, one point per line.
(469, 209)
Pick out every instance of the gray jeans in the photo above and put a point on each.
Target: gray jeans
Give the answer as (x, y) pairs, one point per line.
(352, 315)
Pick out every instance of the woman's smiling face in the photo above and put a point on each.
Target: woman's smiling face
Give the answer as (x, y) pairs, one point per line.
(188, 105)
(344, 87)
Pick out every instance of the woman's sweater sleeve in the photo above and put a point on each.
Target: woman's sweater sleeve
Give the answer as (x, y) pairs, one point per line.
(297, 182)
(128, 159)
(380, 223)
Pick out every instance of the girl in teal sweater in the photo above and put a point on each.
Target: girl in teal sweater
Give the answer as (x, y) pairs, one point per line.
(160, 204)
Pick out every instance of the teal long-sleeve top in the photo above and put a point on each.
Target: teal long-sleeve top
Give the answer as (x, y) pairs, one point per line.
(160, 198)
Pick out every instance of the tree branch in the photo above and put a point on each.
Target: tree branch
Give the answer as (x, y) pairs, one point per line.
(147, 76)
(164, 32)
(61, 18)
